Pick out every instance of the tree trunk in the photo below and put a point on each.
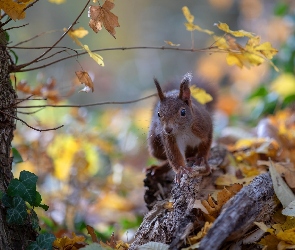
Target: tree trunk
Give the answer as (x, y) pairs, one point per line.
(12, 237)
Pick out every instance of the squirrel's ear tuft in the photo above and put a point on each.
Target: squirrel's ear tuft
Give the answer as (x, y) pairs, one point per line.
(184, 91)
(160, 92)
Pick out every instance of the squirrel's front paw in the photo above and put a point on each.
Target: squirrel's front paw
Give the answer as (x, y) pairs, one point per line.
(183, 170)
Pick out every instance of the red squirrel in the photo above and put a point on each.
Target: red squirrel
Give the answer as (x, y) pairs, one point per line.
(181, 129)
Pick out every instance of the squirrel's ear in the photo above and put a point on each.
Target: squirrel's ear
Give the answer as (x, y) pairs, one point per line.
(184, 91)
(160, 92)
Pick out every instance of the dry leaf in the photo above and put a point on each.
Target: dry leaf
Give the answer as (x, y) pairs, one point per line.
(282, 191)
(172, 44)
(239, 33)
(223, 196)
(102, 15)
(190, 26)
(96, 57)
(15, 10)
(91, 231)
(84, 77)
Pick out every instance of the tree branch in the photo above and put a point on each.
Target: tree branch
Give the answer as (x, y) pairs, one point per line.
(48, 50)
(85, 105)
(211, 49)
(40, 130)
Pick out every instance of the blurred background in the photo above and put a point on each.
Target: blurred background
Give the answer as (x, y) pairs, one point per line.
(91, 171)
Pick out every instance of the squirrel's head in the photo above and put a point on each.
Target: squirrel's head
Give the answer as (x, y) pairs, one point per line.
(174, 110)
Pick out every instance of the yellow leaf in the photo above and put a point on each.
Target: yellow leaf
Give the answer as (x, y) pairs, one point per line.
(189, 17)
(221, 42)
(287, 235)
(192, 27)
(267, 50)
(57, 1)
(68, 243)
(284, 85)
(240, 33)
(13, 9)
(80, 32)
(172, 44)
(200, 95)
(96, 57)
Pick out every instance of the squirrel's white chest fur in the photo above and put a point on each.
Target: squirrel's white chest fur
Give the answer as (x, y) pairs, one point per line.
(186, 139)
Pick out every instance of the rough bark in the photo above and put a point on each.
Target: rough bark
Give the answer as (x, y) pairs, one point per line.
(172, 217)
(12, 237)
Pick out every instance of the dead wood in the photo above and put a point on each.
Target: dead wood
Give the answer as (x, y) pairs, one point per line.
(173, 217)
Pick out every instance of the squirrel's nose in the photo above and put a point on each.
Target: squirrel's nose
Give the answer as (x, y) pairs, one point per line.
(168, 130)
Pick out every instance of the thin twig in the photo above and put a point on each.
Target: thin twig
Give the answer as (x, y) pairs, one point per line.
(35, 99)
(32, 38)
(58, 52)
(62, 36)
(86, 105)
(27, 98)
(40, 130)
(19, 68)
(30, 113)
(15, 27)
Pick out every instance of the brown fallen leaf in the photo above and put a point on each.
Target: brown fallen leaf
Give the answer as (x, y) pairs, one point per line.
(84, 77)
(101, 15)
(223, 196)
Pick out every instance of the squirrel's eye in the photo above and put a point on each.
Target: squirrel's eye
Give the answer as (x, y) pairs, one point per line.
(182, 112)
(159, 114)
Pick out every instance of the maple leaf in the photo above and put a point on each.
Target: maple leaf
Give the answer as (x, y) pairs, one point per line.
(84, 77)
(223, 196)
(101, 15)
(15, 10)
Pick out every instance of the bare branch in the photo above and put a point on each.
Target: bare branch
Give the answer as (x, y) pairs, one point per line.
(86, 105)
(32, 38)
(48, 50)
(40, 130)
(30, 113)
(207, 49)
(16, 27)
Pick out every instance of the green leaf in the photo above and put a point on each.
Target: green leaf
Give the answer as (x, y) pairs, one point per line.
(43, 242)
(34, 220)
(6, 200)
(44, 206)
(15, 56)
(25, 187)
(282, 191)
(17, 214)
(16, 156)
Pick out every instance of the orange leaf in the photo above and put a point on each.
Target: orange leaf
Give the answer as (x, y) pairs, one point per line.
(102, 15)
(84, 77)
(13, 9)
